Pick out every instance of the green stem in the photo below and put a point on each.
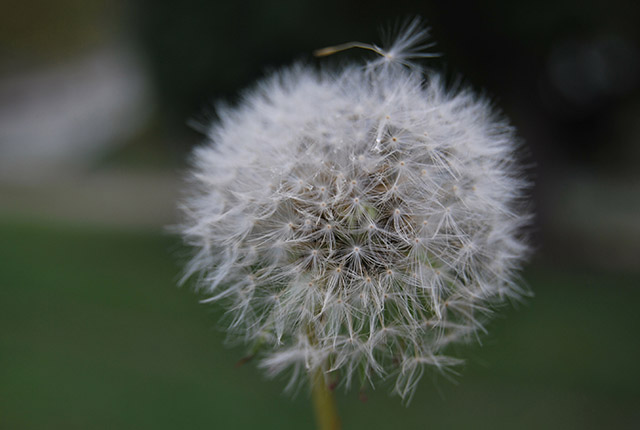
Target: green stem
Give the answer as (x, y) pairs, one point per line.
(324, 403)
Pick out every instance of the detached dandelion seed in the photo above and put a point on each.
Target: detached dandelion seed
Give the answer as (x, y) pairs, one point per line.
(357, 222)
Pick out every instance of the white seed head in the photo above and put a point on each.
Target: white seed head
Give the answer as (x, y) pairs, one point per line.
(358, 220)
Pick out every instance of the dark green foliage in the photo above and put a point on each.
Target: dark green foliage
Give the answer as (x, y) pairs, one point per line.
(95, 334)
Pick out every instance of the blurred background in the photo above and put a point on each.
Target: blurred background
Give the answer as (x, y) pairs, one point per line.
(96, 102)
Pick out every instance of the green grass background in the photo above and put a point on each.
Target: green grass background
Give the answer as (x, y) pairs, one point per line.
(96, 335)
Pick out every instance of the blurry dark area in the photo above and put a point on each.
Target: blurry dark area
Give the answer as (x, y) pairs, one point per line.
(101, 102)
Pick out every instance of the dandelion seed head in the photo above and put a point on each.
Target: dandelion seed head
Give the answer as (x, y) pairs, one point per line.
(362, 219)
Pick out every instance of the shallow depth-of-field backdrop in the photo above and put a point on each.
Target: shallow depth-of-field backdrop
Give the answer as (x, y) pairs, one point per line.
(100, 103)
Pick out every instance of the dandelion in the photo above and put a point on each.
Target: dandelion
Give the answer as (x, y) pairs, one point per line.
(357, 222)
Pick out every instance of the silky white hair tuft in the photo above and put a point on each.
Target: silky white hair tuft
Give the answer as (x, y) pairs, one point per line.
(358, 221)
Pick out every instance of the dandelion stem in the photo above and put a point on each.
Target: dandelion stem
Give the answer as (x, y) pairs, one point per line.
(324, 403)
